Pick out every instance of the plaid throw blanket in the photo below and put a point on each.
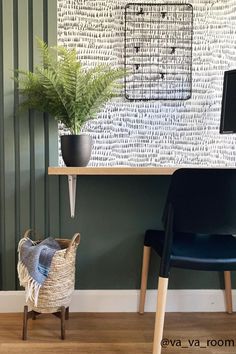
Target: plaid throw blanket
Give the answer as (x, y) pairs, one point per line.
(34, 264)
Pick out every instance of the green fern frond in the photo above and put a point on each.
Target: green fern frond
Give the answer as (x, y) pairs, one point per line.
(61, 86)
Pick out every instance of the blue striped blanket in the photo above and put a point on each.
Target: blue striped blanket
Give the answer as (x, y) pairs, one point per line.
(34, 264)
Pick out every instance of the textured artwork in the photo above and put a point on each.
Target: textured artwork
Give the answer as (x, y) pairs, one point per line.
(153, 133)
(158, 51)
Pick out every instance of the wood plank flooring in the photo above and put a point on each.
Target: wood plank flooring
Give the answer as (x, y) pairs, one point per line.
(119, 333)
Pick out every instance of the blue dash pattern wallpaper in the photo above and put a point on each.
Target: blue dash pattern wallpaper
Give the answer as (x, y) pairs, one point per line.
(154, 133)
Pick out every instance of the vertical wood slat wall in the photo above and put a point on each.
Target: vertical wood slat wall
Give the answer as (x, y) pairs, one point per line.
(28, 141)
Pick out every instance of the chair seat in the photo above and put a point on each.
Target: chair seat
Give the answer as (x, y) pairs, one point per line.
(196, 251)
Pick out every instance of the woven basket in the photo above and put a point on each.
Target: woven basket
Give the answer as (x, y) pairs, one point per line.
(57, 289)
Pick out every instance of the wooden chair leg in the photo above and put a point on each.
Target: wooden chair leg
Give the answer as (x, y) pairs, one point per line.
(144, 277)
(63, 328)
(25, 323)
(160, 314)
(228, 292)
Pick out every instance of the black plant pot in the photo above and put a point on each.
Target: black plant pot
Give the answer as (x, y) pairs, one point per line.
(76, 149)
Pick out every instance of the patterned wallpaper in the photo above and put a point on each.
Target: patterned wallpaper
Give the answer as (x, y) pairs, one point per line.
(157, 132)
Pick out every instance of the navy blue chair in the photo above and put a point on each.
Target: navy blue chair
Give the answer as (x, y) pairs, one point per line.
(199, 223)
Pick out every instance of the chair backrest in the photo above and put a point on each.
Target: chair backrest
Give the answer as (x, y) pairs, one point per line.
(203, 200)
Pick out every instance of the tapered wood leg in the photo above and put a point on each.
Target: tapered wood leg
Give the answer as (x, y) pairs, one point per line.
(228, 292)
(144, 278)
(63, 328)
(63, 315)
(25, 323)
(160, 314)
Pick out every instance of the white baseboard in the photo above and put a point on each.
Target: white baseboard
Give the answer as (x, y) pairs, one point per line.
(127, 301)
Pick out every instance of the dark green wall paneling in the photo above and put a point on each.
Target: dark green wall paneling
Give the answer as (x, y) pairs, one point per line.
(9, 144)
(24, 135)
(26, 199)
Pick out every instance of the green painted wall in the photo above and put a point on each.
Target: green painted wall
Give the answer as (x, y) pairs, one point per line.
(112, 213)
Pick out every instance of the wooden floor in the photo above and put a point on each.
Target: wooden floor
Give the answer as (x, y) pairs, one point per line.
(120, 333)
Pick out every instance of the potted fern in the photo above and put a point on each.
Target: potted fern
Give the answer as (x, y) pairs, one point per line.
(62, 87)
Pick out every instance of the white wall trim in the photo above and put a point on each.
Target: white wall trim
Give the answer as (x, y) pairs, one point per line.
(127, 301)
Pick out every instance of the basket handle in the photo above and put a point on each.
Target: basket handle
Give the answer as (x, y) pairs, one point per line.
(27, 233)
(24, 238)
(75, 241)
